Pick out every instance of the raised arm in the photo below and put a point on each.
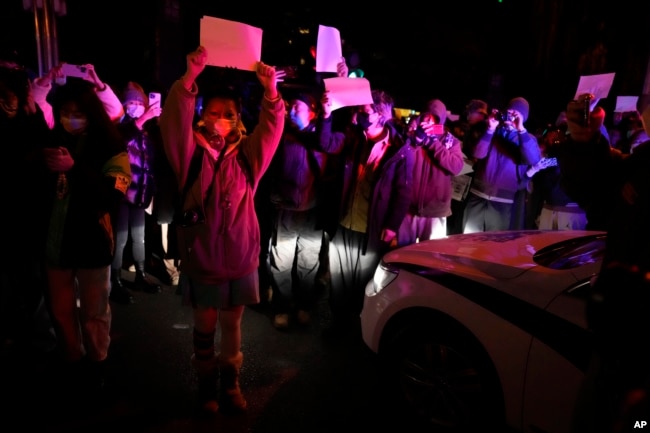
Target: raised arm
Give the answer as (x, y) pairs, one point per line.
(112, 103)
(177, 117)
(265, 138)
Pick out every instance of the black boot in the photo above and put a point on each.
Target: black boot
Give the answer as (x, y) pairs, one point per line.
(94, 377)
(208, 375)
(143, 284)
(119, 293)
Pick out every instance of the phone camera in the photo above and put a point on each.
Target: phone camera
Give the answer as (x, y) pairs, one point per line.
(503, 116)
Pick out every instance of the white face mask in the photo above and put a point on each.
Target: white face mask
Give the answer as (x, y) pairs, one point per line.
(74, 125)
(223, 127)
(135, 111)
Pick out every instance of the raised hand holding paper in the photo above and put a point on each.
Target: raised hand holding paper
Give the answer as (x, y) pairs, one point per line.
(231, 44)
(598, 85)
(328, 49)
(347, 92)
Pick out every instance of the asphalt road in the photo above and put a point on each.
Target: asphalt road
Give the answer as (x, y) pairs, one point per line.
(294, 381)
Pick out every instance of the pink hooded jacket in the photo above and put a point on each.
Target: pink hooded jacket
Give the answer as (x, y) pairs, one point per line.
(227, 245)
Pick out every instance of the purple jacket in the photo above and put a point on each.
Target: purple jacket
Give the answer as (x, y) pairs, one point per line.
(502, 161)
(140, 147)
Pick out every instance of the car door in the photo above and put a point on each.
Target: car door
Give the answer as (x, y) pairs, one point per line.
(557, 363)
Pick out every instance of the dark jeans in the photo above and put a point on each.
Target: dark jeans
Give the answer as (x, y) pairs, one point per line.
(350, 270)
(130, 220)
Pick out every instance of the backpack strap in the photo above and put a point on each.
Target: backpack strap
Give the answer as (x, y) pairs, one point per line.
(245, 166)
(192, 172)
(195, 169)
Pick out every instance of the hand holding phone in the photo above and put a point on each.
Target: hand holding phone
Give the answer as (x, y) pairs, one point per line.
(154, 99)
(77, 71)
(154, 109)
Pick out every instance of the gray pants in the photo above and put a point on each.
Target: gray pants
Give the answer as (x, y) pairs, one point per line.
(483, 215)
(294, 260)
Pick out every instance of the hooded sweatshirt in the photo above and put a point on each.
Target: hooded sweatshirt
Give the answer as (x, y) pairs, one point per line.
(227, 245)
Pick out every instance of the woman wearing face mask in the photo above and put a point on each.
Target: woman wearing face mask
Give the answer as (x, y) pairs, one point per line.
(139, 135)
(90, 175)
(43, 86)
(219, 238)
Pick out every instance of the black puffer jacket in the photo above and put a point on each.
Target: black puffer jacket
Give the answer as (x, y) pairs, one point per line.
(141, 150)
(296, 170)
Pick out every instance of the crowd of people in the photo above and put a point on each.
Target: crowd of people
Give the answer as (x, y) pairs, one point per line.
(291, 207)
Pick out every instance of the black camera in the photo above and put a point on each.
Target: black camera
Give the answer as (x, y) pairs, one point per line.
(192, 217)
(503, 116)
(436, 130)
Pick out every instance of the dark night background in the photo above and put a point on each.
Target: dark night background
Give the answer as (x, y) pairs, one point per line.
(454, 50)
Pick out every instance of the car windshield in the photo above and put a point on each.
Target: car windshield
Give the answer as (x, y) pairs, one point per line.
(572, 253)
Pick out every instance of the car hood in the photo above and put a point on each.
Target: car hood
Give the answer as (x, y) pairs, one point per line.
(501, 255)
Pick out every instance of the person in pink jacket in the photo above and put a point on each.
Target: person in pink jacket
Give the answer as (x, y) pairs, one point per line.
(219, 234)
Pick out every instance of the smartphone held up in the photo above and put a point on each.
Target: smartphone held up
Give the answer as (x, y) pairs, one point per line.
(76, 71)
(154, 99)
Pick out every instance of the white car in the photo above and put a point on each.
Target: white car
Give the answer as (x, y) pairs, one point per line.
(487, 328)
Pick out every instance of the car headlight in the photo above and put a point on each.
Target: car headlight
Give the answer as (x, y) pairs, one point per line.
(384, 275)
